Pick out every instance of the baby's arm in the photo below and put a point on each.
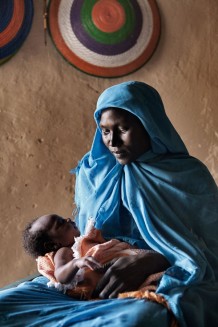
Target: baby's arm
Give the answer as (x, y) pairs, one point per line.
(66, 266)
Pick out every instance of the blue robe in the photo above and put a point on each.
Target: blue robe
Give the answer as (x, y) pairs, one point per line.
(171, 197)
(166, 200)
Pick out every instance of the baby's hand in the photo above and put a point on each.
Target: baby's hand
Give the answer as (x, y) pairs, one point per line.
(89, 262)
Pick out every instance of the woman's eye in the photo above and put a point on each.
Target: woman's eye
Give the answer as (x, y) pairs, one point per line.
(105, 131)
(123, 130)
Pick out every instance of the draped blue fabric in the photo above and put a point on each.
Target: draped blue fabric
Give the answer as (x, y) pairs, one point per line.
(165, 200)
(33, 304)
(171, 197)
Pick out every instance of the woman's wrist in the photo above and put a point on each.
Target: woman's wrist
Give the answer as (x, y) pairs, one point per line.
(153, 262)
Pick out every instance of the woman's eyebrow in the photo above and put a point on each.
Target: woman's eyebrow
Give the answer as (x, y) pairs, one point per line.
(102, 125)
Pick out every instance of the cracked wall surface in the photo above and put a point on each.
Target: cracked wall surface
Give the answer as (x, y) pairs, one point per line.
(46, 116)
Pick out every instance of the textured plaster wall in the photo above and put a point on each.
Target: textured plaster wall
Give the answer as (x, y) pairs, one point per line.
(46, 109)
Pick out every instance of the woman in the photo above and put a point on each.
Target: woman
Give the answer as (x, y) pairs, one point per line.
(140, 185)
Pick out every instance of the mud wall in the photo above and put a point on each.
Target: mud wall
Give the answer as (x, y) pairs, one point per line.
(46, 110)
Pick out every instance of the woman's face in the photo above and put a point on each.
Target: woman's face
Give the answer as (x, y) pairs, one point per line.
(124, 135)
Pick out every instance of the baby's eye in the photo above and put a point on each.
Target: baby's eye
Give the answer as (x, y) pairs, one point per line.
(60, 222)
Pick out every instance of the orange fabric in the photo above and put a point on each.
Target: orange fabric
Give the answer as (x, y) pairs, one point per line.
(46, 266)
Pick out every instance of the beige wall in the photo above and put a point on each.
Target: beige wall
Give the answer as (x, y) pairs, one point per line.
(46, 109)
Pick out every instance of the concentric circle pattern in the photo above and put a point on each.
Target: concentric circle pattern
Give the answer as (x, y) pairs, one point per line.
(107, 38)
(15, 23)
(108, 16)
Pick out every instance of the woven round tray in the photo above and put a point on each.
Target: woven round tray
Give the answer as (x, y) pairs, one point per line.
(15, 22)
(107, 38)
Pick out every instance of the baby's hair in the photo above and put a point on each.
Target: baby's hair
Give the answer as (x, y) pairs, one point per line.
(34, 242)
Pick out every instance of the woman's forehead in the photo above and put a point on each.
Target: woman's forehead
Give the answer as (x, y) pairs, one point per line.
(114, 114)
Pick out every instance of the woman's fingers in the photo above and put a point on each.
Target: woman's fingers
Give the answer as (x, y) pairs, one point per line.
(111, 294)
(92, 263)
(128, 273)
(108, 289)
(111, 283)
(125, 274)
(89, 262)
(102, 284)
(106, 266)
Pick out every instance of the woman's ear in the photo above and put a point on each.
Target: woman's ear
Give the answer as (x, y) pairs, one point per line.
(52, 246)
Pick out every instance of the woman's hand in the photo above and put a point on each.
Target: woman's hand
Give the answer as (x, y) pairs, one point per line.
(88, 262)
(128, 273)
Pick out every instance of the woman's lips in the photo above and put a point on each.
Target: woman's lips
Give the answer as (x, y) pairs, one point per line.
(119, 154)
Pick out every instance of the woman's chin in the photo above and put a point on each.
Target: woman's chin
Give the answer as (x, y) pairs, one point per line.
(123, 161)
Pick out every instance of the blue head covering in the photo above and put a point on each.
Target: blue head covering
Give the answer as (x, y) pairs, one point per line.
(165, 200)
(144, 102)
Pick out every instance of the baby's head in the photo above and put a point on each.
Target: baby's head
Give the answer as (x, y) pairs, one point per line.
(48, 233)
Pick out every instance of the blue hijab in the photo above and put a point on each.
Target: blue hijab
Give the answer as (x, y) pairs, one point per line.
(165, 200)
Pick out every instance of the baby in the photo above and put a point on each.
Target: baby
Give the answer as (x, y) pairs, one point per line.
(71, 262)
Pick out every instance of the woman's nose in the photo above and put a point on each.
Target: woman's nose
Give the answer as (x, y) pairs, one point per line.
(114, 139)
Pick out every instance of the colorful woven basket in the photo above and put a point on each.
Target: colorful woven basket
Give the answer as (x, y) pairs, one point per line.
(107, 38)
(15, 22)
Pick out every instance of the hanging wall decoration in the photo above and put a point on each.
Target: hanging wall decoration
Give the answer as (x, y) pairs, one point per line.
(107, 38)
(15, 22)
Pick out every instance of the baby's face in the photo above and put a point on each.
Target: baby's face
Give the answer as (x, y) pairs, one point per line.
(59, 229)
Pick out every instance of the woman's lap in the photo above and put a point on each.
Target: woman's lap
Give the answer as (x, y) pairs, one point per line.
(34, 304)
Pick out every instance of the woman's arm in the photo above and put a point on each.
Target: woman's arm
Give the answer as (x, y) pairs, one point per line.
(66, 266)
(128, 273)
